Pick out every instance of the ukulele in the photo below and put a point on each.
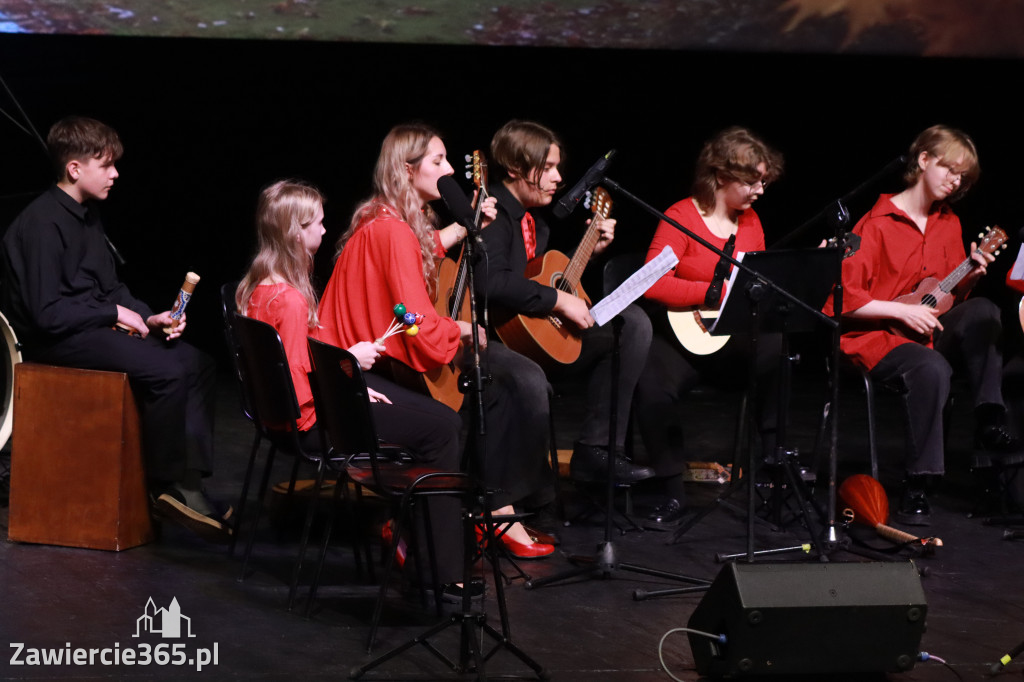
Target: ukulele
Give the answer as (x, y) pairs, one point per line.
(450, 300)
(549, 340)
(938, 294)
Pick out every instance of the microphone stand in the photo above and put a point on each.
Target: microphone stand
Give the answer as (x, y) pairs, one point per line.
(605, 563)
(838, 216)
(472, 623)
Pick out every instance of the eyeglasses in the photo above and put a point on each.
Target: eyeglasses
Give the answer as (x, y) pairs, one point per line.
(951, 172)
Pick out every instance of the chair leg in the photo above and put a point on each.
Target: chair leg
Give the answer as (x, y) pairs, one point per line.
(553, 453)
(240, 509)
(431, 551)
(321, 469)
(383, 592)
(869, 396)
(289, 498)
(261, 502)
(324, 544)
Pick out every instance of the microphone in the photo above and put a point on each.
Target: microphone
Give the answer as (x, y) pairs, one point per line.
(459, 205)
(591, 178)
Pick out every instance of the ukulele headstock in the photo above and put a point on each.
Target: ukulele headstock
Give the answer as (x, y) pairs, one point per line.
(993, 240)
(599, 202)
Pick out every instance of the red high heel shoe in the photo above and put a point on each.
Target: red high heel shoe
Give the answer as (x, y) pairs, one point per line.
(532, 550)
(519, 550)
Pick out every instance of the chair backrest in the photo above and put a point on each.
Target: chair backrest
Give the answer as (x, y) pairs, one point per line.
(618, 269)
(227, 298)
(342, 402)
(229, 310)
(264, 372)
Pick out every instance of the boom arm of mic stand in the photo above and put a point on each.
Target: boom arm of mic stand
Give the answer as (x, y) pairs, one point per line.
(821, 317)
(840, 204)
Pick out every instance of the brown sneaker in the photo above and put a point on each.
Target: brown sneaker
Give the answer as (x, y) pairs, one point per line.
(171, 507)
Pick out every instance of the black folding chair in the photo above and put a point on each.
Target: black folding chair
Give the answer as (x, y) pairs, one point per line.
(347, 424)
(267, 382)
(228, 309)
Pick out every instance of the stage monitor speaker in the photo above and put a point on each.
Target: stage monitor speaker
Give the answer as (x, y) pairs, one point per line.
(788, 619)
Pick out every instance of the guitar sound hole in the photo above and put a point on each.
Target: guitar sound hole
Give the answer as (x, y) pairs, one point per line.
(558, 282)
(929, 300)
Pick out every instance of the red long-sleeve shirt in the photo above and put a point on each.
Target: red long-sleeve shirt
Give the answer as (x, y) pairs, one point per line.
(893, 258)
(284, 308)
(382, 265)
(687, 284)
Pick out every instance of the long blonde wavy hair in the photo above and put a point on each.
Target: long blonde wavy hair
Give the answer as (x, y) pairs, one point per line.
(284, 209)
(393, 191)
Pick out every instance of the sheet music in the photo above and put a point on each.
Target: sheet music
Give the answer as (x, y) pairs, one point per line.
(1017, 271)
(634, 287)
(728, 291)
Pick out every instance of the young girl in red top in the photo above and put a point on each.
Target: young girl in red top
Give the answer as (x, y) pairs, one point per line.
(386, 257)
(277, 290)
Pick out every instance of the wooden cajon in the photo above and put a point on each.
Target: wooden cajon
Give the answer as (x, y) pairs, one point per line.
(77, 475)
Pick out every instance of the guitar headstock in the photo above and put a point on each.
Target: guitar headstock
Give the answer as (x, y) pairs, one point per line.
(599, 202)
(476, 169)
(993, 240)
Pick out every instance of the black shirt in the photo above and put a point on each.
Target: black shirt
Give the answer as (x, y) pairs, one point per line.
(58, 274)
(507, 285)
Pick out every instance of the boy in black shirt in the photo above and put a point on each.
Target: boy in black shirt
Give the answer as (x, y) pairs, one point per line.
(62, 296)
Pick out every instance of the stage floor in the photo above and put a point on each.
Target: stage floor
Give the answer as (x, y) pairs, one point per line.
(68, 599)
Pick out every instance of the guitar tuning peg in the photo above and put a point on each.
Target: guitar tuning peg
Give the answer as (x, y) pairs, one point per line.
(980, 235)
(469, 175)
(469, 158)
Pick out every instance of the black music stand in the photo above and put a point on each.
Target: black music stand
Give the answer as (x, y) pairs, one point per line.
(752, 308)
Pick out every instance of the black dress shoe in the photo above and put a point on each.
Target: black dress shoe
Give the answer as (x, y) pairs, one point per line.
(997, 440)
(589, 463)
(666, 516)
(914, 509)
(452, 593)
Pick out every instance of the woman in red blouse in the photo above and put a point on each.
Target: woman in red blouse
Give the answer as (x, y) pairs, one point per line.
(733, 170)
(387, 256)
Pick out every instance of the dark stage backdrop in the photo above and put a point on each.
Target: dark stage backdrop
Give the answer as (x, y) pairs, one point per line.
(207, 123)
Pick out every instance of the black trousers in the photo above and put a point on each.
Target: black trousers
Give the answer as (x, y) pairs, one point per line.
(969, 343)
(432, 432)
(173, 383)
(517, 408)
(671, 372)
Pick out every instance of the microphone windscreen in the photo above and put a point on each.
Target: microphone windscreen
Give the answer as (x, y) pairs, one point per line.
(455, 200)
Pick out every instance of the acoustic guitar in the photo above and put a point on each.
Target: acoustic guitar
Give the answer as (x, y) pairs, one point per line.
(549, 340)
(450, 300)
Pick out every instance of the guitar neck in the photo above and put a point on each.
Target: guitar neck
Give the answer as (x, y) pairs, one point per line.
(462, 274)
(578, 262)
